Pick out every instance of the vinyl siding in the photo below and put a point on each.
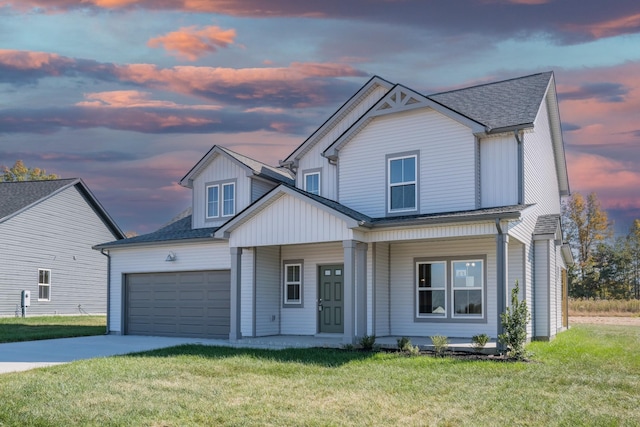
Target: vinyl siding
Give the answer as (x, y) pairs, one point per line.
(290, 220)
(432, 232)
(381, 294)
(259, 188)
(447, 169)
(304, 321)
(247, 275)
(151, 259)
(220, 169)
(267, 291)
(56, 234)
(541, 314)
(402, 272)
(498, 171)
(313, 158)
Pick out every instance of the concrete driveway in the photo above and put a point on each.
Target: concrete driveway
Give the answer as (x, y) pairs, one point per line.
(21, 356)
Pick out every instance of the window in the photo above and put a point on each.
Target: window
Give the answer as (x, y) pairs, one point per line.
(44, 285)
(312, 182)
(431, 289)
(402, 183)
(468, 288)
(217, 202)
(293, 284)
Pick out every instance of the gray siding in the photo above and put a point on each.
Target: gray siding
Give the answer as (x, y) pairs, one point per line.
(541, 292)
(381, 293)
(56, 234)
(267, 290)
(498, 171)
(259, 188)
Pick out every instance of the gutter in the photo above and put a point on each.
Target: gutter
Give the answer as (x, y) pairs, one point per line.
(102, 251)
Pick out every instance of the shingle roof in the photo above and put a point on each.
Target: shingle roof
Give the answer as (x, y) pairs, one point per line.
(546, 224)
(501, 104)
(15, 196)
(177, 230)
(281, 174)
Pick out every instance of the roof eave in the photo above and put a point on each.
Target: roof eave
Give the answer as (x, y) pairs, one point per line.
(505, 216)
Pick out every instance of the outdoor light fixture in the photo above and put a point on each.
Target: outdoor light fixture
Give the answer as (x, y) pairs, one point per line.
(171, 257)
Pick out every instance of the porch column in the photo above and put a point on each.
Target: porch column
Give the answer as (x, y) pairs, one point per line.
(349, 247)
(361, 289)
(502, 269)
(236, 265)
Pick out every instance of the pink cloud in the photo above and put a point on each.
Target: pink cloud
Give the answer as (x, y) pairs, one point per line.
(609, 28)
(27, 60)
(192, 43)
(134, 99)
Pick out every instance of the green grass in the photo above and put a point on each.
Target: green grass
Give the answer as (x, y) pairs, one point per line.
(589, 375)
(14, 329)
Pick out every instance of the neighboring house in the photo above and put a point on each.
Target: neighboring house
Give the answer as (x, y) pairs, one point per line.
(47, 230)
(410, 215)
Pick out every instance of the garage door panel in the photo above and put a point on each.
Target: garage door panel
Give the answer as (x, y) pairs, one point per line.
(189, 304)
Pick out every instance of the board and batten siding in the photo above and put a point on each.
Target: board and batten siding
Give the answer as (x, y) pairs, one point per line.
(447, 169)
(203, 256)
(268, 294)
(304, 320)
(56, 234)
(290, 220)
(498, 171)
(220, 168)
(313, 158)
(402, 288)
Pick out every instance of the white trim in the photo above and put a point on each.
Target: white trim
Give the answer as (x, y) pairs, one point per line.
(233, 200)
(44, 284)
(430, 289)
(304, 182)
(217, 211)
(390, 185)
(468, 263)
(286, 283)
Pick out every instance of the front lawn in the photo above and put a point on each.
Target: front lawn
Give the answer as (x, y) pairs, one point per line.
(14, 329)
(589, 375)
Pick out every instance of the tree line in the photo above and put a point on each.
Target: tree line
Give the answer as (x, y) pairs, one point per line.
(606, 266)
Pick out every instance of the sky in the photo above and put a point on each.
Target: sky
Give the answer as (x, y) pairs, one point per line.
(129, 94)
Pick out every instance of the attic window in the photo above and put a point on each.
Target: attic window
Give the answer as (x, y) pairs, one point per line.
(220, 199)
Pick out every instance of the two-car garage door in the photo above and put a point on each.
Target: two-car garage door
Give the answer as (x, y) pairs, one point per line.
(185, 304)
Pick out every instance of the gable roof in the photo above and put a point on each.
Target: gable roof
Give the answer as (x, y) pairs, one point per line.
(251, 166)
(19, 196)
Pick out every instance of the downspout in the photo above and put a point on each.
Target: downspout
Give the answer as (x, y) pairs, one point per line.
(102, 251)
(502, 240)
(519, 139)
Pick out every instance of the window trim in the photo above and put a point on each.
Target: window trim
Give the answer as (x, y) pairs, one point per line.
(309, 172)
(449, 301)
(47, 285)
(418, 290)
(399, 156)
(220, 185)
(481, 287)
(286, 303)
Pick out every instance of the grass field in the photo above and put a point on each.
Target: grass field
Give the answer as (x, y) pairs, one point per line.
(589, 307)
(589, 375)
(13, 329)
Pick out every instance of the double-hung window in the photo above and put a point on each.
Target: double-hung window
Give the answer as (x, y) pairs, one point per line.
(44, 285)
(293, 283)
(312, 182)
(468, 288)
(402, 185)
(431, 288)
(221, 200)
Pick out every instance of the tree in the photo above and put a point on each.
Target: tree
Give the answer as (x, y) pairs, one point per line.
(586, 225)
(514, 323)
(19, 172)
(634, 247)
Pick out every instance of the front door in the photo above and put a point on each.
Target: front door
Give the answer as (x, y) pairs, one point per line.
(331, 300)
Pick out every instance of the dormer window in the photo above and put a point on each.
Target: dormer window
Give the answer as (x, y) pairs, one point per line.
(312, 182)
(402, 183)
(221, 199)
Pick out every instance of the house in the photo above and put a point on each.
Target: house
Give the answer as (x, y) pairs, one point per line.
(402, 215)
(47, 230)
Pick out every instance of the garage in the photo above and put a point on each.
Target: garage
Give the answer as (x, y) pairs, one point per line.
(178, 304)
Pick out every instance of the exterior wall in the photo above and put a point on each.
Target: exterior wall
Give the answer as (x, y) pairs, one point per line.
(247, 292)
(313, 158)
(198, 256)
(541, 314)
(56, 234)
(381, 289)
(554, 292)
(304, 320)
(431, 232)
(447, 162)
(498, 171)
(259, 188)
(268, 291)
(221, 168)
(402, 286)
(290, 220)
(530, 286)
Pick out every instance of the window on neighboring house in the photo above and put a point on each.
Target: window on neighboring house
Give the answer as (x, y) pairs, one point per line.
(312, 182)
(402, 183)
(213, 201)
(468, 288)
(228, 199)
(431, 298)
(293, 284)
(44, 285)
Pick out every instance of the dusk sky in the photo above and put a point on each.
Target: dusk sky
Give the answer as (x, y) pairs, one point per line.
(129, 94)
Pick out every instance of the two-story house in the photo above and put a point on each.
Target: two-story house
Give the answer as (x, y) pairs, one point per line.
(402, 215)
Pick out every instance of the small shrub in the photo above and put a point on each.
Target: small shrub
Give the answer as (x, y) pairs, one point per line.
(440, 344)
(479, 341)
(514, 323)
(403, 343)
(413, 350)
(348, 347)
(368, 342)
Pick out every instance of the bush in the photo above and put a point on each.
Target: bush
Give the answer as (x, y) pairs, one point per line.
(403, 343)
(440, 344)
(368, 342)
(514, 323)
(479, 341)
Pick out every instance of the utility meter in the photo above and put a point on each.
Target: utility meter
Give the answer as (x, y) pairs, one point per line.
(26, 298)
